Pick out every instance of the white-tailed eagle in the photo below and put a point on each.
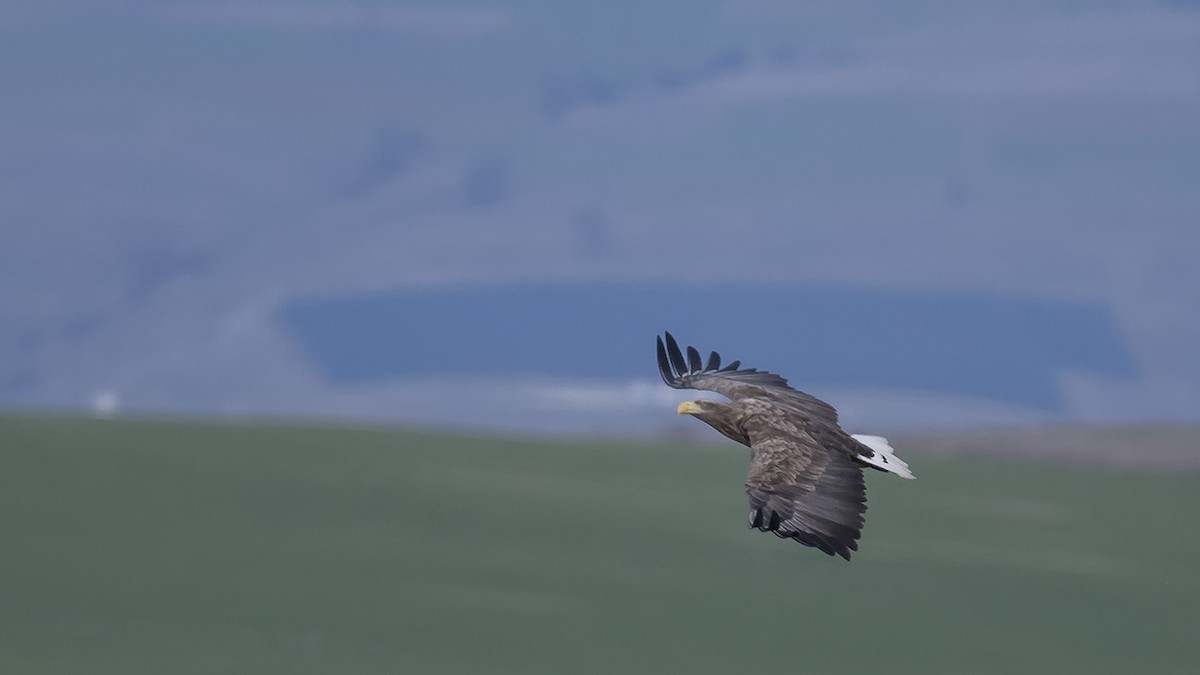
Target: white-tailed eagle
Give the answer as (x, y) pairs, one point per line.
(806, 480)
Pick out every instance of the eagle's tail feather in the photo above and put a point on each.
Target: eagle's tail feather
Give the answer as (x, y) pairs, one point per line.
(885, 458)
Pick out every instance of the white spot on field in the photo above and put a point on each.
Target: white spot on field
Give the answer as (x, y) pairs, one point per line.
(636, 394)
(106, 403)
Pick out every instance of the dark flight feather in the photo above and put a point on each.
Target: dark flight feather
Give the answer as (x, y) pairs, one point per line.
(677, 362)
(714, 362)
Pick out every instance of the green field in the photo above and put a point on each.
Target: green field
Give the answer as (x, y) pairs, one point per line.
(156, 547)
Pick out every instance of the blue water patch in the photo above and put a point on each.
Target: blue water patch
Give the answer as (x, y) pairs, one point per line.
(990, 346)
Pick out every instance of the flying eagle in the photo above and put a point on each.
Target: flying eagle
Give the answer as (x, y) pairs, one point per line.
(806, 480)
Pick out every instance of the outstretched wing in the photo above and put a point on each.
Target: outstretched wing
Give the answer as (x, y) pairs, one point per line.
(801, 491)
(734, 382)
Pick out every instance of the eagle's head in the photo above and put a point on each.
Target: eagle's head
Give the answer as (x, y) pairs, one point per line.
(723, 417)
(701, 408)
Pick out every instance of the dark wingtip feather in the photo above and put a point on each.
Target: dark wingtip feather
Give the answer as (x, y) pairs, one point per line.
(732, 366)
(694, 363)
(714, 362)
(756, 518)
(664, 366)
(676, 356)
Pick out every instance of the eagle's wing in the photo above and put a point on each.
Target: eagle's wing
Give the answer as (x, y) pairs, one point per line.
(800, 490)
(734, 382)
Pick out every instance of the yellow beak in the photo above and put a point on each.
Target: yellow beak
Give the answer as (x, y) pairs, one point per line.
(688, 408)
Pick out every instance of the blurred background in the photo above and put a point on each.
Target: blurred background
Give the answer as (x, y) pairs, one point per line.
(972, 226)
(946, 214)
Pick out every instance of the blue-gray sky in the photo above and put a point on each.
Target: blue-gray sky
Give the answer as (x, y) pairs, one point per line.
(174, 176)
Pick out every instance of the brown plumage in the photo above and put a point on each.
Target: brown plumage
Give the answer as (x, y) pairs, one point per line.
(806, 481)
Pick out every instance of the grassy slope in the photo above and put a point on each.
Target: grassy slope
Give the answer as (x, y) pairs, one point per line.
(161, 547)
(1158, 448)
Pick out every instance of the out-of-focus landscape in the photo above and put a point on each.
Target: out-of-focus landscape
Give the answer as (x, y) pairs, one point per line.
(935, 215)
(183, 547)
(326, 332)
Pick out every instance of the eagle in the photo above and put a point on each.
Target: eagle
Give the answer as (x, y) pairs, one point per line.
(806, 480)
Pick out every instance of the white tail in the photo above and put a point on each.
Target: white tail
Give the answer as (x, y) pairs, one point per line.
(885, 457)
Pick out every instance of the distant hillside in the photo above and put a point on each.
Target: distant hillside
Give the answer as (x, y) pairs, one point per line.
(1002, 348)
(1155, 448)
(151, 547)
(993, 204)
